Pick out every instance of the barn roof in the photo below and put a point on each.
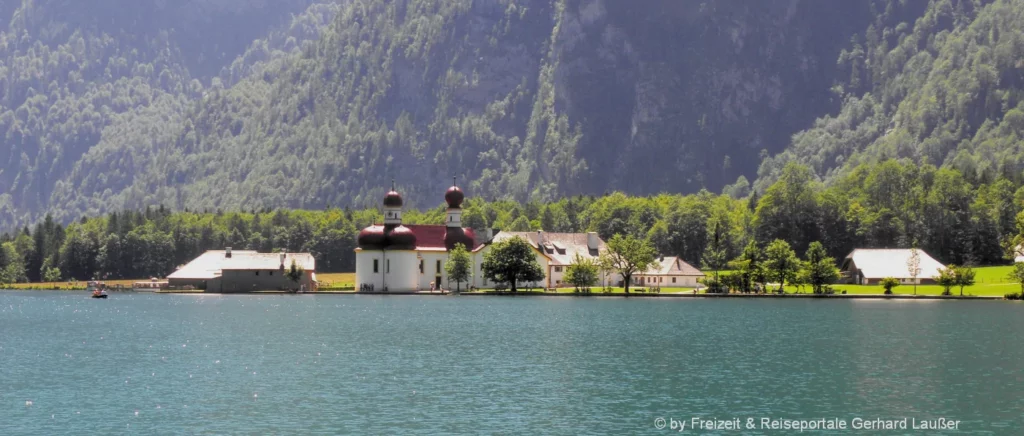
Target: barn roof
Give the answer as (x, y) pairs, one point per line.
(875, 263)
(211, 263)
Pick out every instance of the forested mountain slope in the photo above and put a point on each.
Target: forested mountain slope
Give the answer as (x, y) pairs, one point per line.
(946, 88)
(520, 99)
(321, 103)
(75, 75)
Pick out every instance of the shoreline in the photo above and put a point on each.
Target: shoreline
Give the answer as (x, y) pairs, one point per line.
(687, 295)
(570, 295)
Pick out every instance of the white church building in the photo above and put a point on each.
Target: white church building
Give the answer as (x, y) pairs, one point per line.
(410, 258)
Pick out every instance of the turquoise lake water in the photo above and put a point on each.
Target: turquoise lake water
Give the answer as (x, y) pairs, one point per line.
(208, 364)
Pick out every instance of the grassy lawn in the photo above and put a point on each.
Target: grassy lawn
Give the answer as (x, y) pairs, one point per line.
(69, 286)
(992, 275)
(990, 281)
(336, 280)
(981, 290)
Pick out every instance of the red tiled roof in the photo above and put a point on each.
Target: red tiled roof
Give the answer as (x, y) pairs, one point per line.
(431, 237)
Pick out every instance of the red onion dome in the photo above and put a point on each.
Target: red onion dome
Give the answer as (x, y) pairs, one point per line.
(455, 235)
(454, 197)
(401, 238)
(393, 199)
(372, 238)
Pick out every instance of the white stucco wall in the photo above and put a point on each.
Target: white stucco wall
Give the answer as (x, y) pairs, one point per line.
(431, 271)
(666, 281)
(397, 271)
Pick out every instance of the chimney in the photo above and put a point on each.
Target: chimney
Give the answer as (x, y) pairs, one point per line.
(593, 241)
(540, 237)
(282, 258)
(227, 252)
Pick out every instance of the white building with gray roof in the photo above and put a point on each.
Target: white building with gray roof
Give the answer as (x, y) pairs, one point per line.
(868, 266)
(245, 271)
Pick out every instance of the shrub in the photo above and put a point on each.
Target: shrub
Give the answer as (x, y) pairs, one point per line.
(888, 283)
(714, 286)
(1014, 296)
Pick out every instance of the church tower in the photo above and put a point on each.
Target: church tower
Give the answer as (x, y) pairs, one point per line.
(454, 233)
(392, 207)
(454, 197)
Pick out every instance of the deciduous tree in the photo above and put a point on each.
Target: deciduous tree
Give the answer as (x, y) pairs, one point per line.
(914, 266)
(629, 255)
(512, 261)
(781, 263)
(1017, 274)
(964, 277)
(819, 269)
(582, 273)
(459, 266)
(946, 279)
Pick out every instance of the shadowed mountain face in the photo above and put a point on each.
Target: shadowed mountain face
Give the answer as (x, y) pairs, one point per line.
(249, 104)
(678, 96)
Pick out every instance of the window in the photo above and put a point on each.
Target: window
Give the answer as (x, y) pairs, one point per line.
(375, 267)
(271, 272)
(421, 266)
(673, 279)
(388, 266)
(439, 267)
(257, 273)
(558, 269)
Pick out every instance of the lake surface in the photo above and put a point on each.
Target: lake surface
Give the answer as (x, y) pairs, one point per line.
(209, 364)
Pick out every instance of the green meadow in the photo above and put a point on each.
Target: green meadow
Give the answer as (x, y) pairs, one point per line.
(990, 281)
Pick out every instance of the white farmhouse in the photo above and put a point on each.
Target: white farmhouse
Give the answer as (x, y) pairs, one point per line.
(669, 272)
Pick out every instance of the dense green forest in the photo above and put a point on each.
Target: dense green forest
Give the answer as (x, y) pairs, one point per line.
(890, 204)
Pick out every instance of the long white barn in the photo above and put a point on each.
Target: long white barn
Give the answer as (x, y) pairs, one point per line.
(868, 266)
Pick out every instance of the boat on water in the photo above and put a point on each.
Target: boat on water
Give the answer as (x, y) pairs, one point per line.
(98, 289)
